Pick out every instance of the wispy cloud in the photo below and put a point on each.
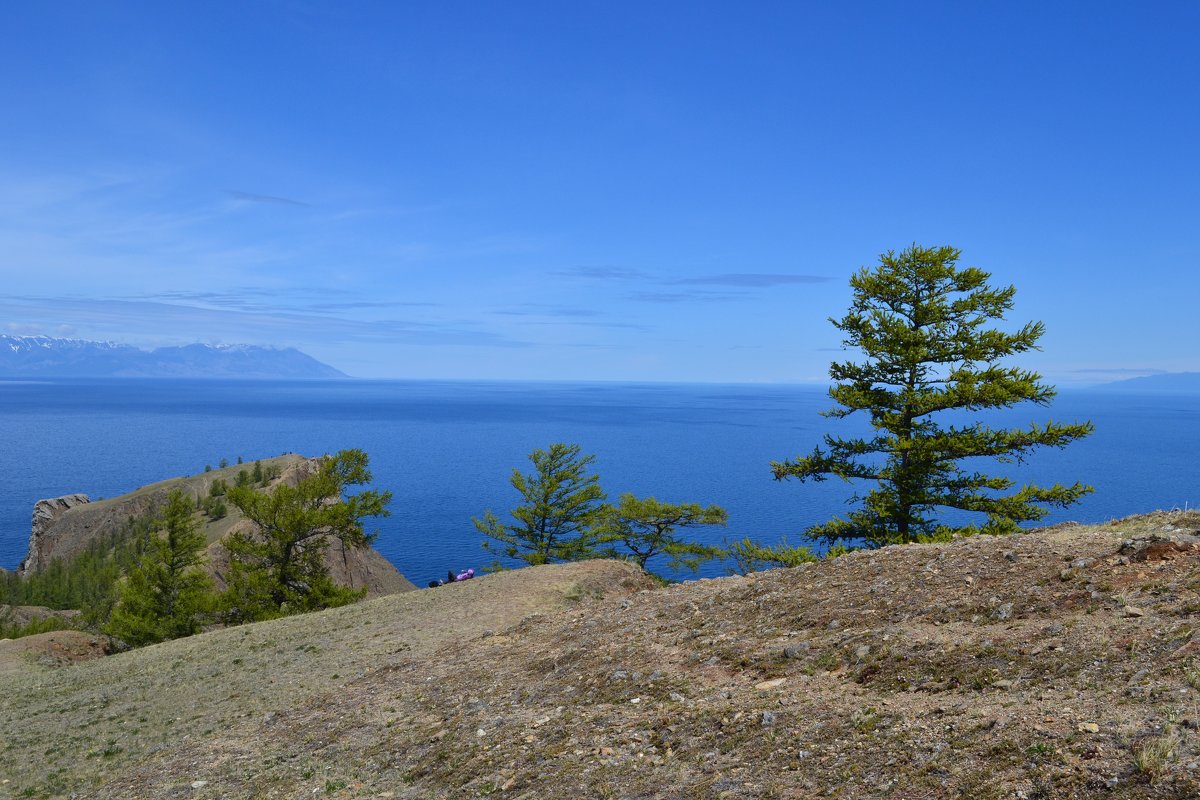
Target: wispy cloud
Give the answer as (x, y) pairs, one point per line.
(750, 280)
(631, 326)
(602, 273)
(370, 304)
(141, 321)
(547, 315)
(546, 310)
(684, 297)
(1118, 371)
(265, 199)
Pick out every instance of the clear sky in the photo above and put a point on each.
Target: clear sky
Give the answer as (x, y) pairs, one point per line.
(643, 190)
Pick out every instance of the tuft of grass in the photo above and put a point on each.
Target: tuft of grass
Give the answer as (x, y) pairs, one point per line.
(1191, 673)
(1038, 749)
(1151, 755)
(866, 720)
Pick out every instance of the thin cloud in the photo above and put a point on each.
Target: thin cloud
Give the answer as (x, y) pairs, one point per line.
(751, 280)
(683, 297)
(544, 310)
(632, 326)
(369, 304)
(266, 199)
(1119, 371)
(602, 273)
(140, 321)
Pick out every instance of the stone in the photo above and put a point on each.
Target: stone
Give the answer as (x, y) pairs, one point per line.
(796, 650)
(45, 514)
(1134, 611)
(771, 684)
(1088, 727)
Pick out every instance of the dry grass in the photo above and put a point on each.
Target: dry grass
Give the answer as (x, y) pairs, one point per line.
(1051, 664)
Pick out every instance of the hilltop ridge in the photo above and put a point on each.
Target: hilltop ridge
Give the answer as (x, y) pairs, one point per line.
(48, 357)
(1056, 663)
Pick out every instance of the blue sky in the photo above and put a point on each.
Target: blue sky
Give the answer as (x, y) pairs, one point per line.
(594, 190)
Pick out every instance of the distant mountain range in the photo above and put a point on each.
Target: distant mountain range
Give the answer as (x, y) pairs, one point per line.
(1164, 383)
(46, 357)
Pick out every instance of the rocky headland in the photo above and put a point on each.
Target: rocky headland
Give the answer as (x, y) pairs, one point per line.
(65, 526)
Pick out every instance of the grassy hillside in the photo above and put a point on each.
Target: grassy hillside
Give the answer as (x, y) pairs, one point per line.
(1059, 663)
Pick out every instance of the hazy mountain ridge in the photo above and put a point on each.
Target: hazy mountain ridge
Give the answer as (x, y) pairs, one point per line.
(44, 356)
(1164, 383)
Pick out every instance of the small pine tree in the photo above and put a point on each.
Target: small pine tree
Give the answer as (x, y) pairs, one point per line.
(750, 556)
(647, 528)
(167, 594)
(561, 503)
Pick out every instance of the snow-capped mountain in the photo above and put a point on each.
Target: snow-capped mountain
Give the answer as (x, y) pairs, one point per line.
(44, 356)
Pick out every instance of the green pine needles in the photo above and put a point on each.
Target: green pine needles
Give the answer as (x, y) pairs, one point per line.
(279, 568)
(563, 517)
(561, 503)
(921, 325)
(167, 594)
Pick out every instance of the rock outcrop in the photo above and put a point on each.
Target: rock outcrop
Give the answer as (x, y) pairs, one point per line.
(45, 547)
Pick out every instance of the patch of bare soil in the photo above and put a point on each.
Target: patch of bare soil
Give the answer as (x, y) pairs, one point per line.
(54, 649)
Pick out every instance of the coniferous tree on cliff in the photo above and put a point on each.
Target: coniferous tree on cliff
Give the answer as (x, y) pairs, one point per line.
(920, 323)
(279, 568)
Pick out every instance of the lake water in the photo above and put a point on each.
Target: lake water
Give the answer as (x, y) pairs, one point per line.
(446, 449)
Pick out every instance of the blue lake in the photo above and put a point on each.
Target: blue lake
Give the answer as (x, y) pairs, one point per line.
(446, 449)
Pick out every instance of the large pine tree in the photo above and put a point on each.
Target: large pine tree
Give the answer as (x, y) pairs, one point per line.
(921, 324)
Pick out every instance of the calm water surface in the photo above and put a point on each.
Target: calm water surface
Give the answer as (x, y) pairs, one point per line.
(446, 449)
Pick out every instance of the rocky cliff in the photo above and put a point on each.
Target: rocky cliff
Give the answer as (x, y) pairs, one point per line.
(64, 527)
(43, 548)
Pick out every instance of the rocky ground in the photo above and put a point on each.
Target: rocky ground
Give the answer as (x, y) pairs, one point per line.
(1058, 663)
